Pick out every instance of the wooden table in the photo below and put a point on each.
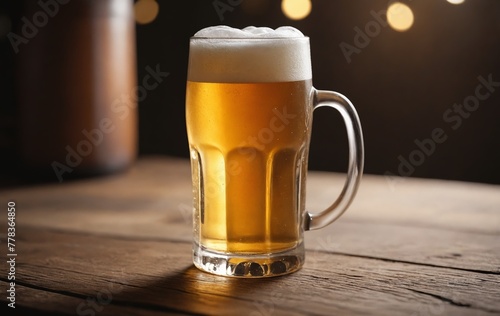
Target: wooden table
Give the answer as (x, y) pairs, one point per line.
(121, 245)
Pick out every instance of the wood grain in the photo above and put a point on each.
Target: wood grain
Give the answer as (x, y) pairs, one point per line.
(406, 246)
(158, 276)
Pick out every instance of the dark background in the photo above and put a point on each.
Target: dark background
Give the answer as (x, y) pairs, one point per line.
(401, 83)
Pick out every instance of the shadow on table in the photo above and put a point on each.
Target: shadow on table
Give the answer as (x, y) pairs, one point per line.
(197, 292)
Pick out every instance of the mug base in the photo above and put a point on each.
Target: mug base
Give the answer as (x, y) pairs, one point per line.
(248, 265)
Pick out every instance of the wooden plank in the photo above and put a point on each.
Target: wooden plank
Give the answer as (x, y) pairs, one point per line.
(431, 246)
(41, 301)
(450, 205)
(160, 184)
(427, 246)
(413, 227)
(155, 276)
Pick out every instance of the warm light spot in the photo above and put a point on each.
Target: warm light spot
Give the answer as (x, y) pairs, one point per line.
(456, 1)
(296, 9)
(400, 16)
(146, 11)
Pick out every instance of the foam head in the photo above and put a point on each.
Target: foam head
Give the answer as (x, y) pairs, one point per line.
(252, 54)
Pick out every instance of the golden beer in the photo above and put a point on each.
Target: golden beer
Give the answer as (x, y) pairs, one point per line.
(249, 146)
(249, 104)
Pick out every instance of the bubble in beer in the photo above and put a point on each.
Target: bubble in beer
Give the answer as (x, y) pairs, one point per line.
(256, 269)
(278, 267)
(240, 269)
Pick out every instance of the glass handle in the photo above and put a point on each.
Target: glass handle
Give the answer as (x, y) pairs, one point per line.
(356, 158)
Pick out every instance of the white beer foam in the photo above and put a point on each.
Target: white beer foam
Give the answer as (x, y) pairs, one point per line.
(253, 54)
(225, 31)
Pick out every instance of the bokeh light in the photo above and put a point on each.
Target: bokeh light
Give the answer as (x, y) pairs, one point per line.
(400, 16)
(456, 1)
(296, 9)
(146, 11)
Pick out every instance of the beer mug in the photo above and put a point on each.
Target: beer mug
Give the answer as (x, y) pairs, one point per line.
(249, 104)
